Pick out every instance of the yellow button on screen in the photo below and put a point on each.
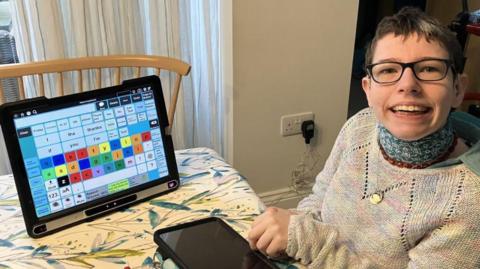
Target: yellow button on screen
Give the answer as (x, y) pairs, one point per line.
(60, 170)
(125, 141)
(104, 147)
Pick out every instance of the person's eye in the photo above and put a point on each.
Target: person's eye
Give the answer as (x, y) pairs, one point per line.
(429, 69)
(388, 71)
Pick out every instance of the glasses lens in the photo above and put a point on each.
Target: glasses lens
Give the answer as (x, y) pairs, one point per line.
(386, 72)
(431, 69)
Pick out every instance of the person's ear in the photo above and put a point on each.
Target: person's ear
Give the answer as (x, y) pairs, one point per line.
(460, 87)
(366, 86)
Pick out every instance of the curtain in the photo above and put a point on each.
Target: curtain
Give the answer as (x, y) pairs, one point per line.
(187, 29)
(206, 25)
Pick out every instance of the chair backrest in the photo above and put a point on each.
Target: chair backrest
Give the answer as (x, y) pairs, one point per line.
(473, 102)
(96, 63)
(472, 96)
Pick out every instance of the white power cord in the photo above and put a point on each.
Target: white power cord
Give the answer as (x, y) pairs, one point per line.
(303, 174)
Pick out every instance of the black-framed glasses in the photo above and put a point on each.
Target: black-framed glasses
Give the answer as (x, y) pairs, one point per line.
(424, 70)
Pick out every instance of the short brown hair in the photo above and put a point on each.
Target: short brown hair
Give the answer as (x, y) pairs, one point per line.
(409, 21)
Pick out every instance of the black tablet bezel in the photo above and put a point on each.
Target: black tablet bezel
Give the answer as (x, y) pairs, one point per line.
(19, 171)
(167, 252)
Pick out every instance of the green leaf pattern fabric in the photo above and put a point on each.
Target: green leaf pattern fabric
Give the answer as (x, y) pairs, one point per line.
(209, 187)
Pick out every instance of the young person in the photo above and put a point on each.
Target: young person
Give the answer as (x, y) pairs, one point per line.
(401, 187)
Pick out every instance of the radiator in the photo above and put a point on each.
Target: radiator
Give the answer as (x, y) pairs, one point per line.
(8, 55)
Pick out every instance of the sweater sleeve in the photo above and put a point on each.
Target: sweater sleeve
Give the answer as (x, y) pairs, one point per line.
(453, 245)
(315, 244)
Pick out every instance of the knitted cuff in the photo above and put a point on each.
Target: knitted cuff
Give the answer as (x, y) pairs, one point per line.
(309, 239)
(292, 243)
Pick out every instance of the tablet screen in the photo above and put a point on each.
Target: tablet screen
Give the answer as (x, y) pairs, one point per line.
(212, 245)
(86, 150)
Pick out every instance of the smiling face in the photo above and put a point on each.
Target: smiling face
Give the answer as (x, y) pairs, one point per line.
(411, 109)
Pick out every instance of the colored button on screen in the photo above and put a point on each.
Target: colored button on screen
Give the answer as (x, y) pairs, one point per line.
(118, 186)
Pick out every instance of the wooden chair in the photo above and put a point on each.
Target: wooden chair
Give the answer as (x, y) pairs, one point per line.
(97, 63)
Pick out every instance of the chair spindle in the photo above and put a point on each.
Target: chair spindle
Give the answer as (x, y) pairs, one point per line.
(80, 80)
(137, 71)
(41, 85)
(98, 78)
(173, 102)
(60, 90)
(21, 88)
(117, 76)
(2, 96)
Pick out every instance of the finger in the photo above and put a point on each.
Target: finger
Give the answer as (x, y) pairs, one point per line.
(276, 248)
(260, 225)
(252, 243)
(258, 220)
(265, 240)
(255, 233)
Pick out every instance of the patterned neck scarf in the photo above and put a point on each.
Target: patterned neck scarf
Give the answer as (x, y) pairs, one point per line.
(424, 150)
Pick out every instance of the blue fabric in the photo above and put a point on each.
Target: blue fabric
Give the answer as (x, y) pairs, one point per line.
(467, 127)
(422, 151)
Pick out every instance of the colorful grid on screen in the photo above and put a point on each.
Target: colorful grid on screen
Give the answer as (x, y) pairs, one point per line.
(95, 150)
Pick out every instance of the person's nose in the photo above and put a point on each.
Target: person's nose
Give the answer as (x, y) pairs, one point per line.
(408, 83)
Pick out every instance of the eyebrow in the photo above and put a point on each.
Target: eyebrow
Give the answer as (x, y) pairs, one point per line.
(388, 60)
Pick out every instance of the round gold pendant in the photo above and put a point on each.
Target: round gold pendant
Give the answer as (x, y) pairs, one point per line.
(376, 198)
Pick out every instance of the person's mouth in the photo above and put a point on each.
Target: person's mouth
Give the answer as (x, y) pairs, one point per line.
(410, 109)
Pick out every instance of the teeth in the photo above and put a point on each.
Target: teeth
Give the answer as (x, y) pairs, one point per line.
(410, 108)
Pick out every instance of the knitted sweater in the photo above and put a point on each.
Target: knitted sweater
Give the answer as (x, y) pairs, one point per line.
(428, 218)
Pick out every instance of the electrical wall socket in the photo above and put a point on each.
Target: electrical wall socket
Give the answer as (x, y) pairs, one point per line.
(292, 124)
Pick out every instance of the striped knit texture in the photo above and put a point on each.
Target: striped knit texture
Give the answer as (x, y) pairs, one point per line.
(428, 218)
(424, 150)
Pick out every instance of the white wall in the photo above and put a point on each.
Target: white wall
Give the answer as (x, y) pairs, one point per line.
(288, 57)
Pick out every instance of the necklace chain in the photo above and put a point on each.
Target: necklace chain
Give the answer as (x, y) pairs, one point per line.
(378, 195)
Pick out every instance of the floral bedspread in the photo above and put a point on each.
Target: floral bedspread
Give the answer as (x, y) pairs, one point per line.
(209, 187)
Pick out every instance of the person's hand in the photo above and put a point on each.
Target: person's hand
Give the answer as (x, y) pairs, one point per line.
(269, 232)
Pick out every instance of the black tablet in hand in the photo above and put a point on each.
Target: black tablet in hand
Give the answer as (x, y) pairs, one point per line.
(208, 243)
